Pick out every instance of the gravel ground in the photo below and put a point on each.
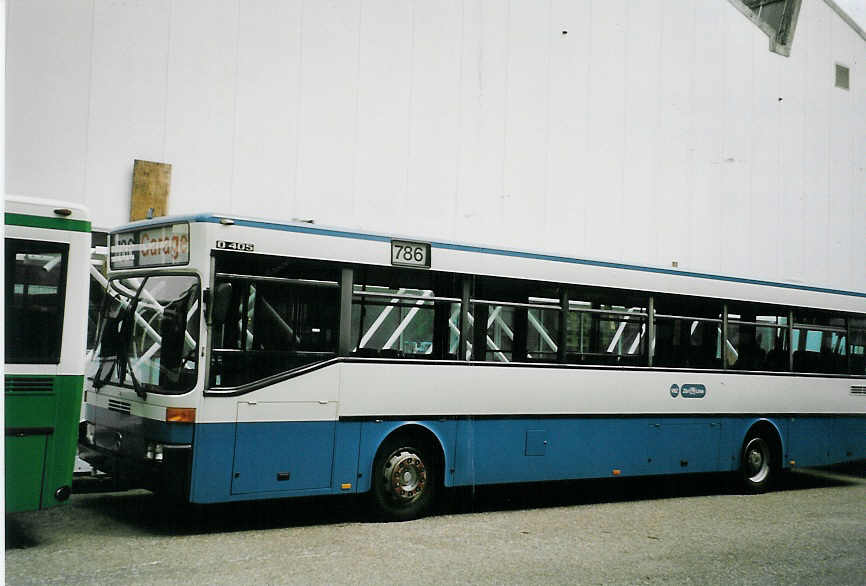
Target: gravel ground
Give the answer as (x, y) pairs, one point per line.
(682, 530)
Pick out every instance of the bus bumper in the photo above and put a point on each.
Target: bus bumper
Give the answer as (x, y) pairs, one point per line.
(168, 477)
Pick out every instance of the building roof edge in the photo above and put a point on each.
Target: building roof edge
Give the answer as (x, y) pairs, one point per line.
(844, 15)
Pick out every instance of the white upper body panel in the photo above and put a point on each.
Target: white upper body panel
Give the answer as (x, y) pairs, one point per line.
(77, 273)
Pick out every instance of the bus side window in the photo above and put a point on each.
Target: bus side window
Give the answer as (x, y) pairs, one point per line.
(687, 332)
(401, 313)
(757, 338)
(35, 276)
(273, 327)
(499, 331)
(820, 344)
(295, 318)
(605, 327)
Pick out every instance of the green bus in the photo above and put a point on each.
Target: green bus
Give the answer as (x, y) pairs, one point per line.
(47, 253)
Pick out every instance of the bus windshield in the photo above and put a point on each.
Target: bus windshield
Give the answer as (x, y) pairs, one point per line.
(148, 334)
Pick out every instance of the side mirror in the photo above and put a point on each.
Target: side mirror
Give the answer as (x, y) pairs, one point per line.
(222, 300)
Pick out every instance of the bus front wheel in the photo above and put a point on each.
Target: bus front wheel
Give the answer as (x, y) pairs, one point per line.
(405, 479)
(759, 463)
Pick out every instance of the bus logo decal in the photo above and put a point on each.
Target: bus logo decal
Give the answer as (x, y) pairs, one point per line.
(693, 391)
(689, 391)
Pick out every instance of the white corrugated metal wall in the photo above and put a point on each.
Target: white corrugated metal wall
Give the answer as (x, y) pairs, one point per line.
(647, 132)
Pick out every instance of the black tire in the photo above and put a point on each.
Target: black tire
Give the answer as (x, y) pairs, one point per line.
(405, 478)
(759, 462)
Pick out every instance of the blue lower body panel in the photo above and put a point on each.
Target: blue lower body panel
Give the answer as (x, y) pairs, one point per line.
(519, 450)
(814, 441)
(246, 461)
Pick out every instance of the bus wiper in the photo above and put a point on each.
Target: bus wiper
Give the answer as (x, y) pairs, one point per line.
(126, 340)
(139, 390)
(110, 342)
(98, 381)
(126, 365)
(127, 368)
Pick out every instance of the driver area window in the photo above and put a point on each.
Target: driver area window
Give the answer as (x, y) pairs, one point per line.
(276, 322)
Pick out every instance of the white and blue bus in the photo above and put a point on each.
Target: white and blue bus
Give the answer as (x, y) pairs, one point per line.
(246, 359)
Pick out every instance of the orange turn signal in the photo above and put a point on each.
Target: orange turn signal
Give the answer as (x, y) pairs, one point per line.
(617, 472)
(180, 414)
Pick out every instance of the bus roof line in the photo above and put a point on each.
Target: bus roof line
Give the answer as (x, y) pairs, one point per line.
(336, 232)
(645, 269)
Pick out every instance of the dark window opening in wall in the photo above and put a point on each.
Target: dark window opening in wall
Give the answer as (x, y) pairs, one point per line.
(842, 77)
(777, 18)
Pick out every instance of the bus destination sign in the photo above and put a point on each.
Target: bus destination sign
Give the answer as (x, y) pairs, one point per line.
(151, 247)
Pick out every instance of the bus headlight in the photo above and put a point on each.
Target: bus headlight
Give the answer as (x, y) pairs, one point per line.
(90, 433)
(154, 451)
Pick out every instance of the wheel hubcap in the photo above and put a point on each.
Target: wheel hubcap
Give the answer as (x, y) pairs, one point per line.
(405, 476)
(757, 458)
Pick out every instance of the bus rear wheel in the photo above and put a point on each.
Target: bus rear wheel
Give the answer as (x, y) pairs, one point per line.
(405, 479)
(760, 463)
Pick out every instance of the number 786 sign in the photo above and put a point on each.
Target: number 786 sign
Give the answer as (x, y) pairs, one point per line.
(410, 254)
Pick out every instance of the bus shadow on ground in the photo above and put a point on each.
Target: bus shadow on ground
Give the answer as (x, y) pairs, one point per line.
(608, 490)
(18, 536)
(148, 512)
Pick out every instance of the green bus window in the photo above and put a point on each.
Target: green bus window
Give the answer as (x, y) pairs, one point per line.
(35, 277)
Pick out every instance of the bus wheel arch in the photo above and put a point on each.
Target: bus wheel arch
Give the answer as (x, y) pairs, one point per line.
(761, 457)
(407, 473)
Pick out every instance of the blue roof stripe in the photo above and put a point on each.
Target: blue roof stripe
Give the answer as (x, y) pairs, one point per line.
(657, 270)
(310, 229)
